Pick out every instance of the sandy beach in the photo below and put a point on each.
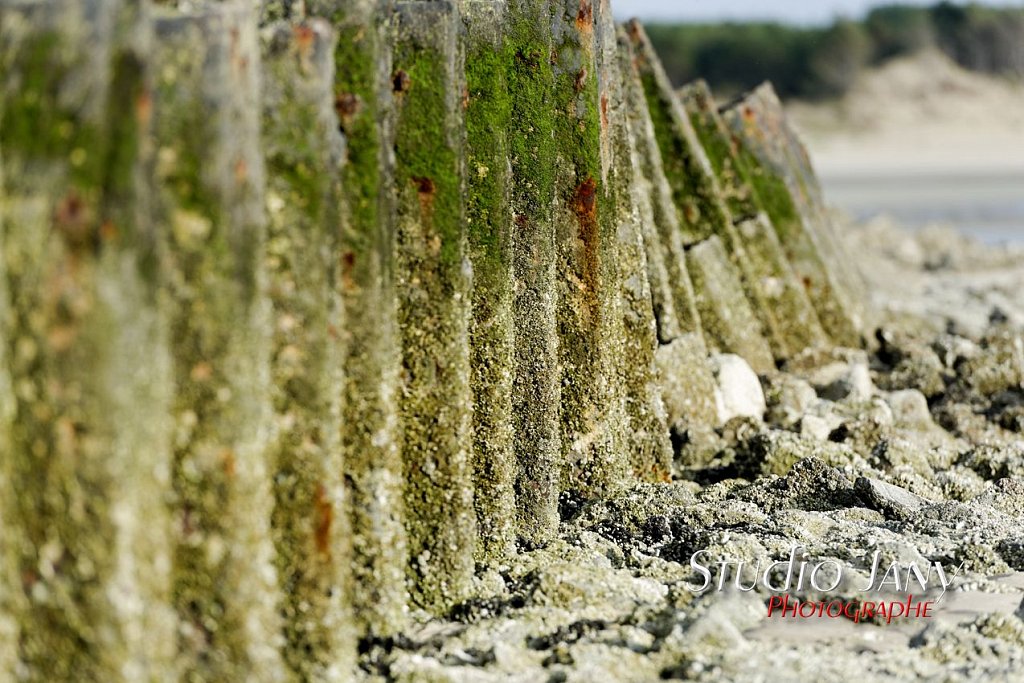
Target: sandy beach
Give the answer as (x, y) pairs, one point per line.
(924, 142)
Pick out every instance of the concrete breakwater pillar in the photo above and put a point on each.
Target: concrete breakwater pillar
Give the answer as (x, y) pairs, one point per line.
(697, 195)
(536, 383)
(311, 529)
(371, 431)
(589, 313)
(688, 387)
(489, 229)
(757, 125)
(434, 278)
(210, 175)
(85, 374)
(729, 322)
(809, 190)
(287, 332)
(646, 438)
(793, 315)
(674, 305)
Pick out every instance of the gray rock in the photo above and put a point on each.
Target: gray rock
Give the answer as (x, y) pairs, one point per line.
(891, 500)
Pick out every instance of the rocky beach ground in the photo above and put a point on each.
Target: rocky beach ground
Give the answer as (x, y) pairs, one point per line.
(909, 453)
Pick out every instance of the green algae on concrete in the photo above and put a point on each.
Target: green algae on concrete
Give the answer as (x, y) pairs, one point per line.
(310, 525)
(370, 424)
(434, 279)
(84, 428)
(729, 323)
(691, 175)
(756, 128)
(489, 232)
(794, 321)
(675, 308)
(536, 389)
(210, 172)
(646, 438)
(585, 232)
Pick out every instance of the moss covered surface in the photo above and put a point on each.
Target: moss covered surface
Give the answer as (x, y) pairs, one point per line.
(489, 231)
(210, 172)
(536, 386)
(586, 226)
(310, 521)
(85, 374)
(371, 435)
(677, 312)
(434, 304)
(793, 320)
(757, 153)
(646, 435)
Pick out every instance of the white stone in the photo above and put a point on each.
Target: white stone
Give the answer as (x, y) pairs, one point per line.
(738, 392)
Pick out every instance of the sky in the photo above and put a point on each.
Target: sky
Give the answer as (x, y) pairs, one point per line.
(796, 11)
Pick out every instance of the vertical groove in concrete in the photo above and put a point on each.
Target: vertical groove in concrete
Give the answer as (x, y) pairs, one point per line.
(527, 51)
(585, 223)
(757, 122)
(312, 534)
(84, 432)
(210, 171)
(647, 444)
(370, 425)
(676, 307)
(794, 321)
(489, 228)
(434, 280)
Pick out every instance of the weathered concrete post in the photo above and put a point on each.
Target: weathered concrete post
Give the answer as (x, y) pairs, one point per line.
(695, 189)
(210, 171)
(794, 319)
(370, 425)
(312, 534)
(536, 385)
(434, 280)
(675, 308)
(85, 376)
(685, 377)
(646, 442)
(756, 126)
(589, 314)
(489, 228)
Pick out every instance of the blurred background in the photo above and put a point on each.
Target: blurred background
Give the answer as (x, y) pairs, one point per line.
(913, 111)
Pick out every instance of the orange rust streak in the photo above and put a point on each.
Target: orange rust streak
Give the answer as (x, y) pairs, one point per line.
(324, 518)
(585, 207)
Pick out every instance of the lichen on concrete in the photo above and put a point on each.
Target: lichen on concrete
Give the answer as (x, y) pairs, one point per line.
(588, 310)
(371, 438)
(206, 135)
(674, 304)
(536, 384)
(756, 120)
(729, 322)
(310, 522)
(793, 321)
(489, 230)
(434, 279)
(84, 428)
(646, 429)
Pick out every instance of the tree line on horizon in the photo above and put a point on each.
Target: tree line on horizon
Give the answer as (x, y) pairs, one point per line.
(823, 62)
